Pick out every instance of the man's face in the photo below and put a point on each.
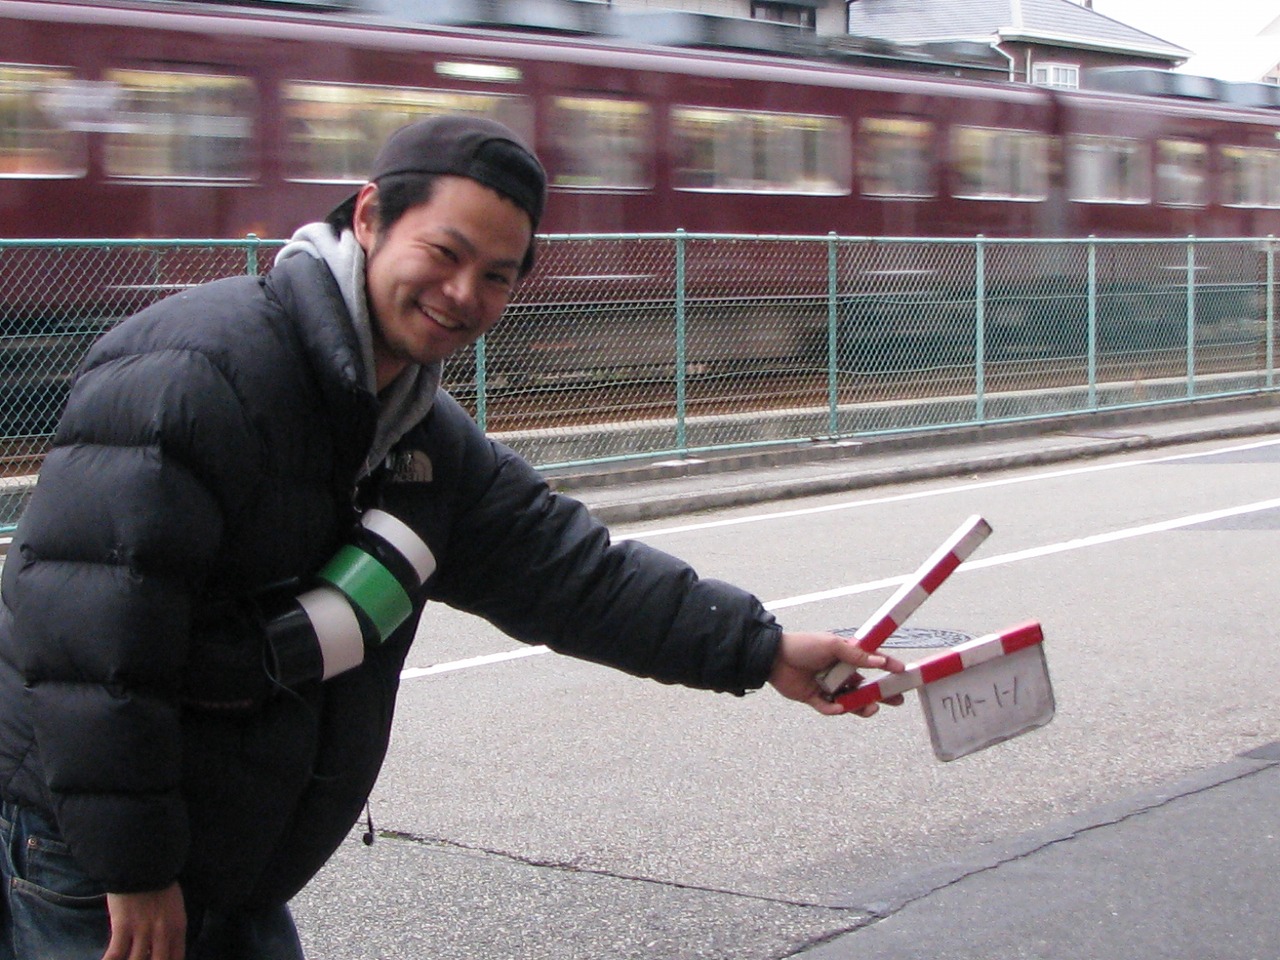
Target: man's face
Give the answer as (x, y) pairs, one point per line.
(441, 276)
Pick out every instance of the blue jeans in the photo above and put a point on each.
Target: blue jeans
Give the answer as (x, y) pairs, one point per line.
(49, 910)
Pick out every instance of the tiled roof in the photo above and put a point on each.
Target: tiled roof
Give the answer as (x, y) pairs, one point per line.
(906, 21)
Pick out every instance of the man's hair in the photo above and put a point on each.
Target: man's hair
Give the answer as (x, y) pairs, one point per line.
(480, 149)
(397, 194)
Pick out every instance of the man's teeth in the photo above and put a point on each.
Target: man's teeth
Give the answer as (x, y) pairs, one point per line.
(443, 320)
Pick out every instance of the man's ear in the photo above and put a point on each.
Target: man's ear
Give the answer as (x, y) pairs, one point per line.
(364, 219)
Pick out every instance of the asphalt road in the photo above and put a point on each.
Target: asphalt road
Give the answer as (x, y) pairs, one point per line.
(539, 807)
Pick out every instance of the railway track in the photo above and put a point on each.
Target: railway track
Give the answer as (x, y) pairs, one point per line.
(737, 389)
(746, 388)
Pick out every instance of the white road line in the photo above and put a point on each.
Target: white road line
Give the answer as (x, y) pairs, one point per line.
(941, 491)
(1016, 556)
(1033, 553)
(413, 673)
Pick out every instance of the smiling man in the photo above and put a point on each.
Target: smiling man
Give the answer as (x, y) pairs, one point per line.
(440, 273)
(255, 490)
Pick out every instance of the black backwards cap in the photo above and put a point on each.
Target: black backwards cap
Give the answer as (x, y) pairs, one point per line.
(483, 150)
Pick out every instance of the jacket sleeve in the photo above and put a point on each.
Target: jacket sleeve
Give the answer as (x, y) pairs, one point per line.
(543, 570)
(116, 540)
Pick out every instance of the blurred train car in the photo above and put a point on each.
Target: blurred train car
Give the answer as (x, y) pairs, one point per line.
(158, 119)
(183, 119)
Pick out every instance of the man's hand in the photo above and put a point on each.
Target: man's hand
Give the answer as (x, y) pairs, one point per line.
(147, 926)
(802, 656)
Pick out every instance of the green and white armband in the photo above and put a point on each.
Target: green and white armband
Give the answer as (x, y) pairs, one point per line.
(365, 592)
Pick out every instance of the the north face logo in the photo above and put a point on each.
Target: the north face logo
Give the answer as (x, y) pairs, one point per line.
(411, 466)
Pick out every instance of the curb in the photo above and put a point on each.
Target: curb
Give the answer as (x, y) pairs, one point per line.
(883, 902)
(859, 478)
(644, 470)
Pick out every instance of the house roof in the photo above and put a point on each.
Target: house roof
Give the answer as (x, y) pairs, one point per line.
(1056, 22)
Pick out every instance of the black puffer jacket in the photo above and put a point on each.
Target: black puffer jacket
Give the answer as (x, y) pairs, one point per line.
(209, 454)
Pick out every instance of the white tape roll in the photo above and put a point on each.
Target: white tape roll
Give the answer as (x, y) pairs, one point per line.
(401, 536)
(337, 629)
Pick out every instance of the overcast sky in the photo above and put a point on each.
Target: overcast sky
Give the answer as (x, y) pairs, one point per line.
(1188, 21)
(1223, 33)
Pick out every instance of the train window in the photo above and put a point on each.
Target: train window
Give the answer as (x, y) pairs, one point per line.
(1251, 177)
(1181, 173)
(333, 130)
(1108, 170)
(895, 157)
(601, 143)
(742, 151)
(35, 140)
(994, 164)
(184, 126)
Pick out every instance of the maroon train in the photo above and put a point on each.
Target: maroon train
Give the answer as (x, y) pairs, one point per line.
(154, 119)
(178, 119)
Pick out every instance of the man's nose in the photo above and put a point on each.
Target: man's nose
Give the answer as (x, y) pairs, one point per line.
(463, 288)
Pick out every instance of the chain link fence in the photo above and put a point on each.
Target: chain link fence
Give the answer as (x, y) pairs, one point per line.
(676, 344)
(625, 346)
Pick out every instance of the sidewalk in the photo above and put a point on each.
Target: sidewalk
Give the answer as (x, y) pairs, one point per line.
(1190, 871)
(628, 493)
(1187, 872)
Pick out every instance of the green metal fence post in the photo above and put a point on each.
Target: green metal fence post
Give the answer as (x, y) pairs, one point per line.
(833, 394)
(251, 254)
(482, 397)
(681, 372)
(1271, 311)
(1191, 316)
(1091, 333)
(980, 318)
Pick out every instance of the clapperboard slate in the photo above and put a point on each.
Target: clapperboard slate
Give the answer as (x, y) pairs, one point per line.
(974, 695)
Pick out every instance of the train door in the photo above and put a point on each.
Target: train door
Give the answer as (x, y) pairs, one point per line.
(1182, 182)
(599, 132)
(898, 174)
(996, 151)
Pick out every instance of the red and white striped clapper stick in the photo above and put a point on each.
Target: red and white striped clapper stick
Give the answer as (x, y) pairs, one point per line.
(910, 595)
(960, 657)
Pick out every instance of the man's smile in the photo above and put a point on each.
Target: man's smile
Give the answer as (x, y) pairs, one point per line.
(441, 319)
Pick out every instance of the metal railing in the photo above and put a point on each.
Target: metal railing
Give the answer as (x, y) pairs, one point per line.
(677, 344)
(625, 346)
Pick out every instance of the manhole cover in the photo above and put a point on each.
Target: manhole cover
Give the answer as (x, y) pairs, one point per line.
(917, 638)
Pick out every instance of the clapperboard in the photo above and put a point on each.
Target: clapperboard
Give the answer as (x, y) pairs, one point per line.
(975, 694)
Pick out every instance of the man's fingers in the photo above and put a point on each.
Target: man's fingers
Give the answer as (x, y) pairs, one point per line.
(827, 708)
(856, 656)
(824, 706)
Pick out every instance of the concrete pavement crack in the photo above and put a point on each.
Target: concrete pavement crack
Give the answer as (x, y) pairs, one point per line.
(575, 868)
